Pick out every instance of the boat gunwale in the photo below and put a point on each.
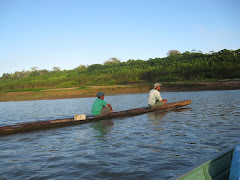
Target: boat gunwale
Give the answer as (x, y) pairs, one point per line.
(203, 163)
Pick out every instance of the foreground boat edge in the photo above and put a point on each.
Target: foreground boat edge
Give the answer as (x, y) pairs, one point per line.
(216, 167)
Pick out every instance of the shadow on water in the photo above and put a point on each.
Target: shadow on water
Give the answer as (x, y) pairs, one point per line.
(158, 115)
(102, 127)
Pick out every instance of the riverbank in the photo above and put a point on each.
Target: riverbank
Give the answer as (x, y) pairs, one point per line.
(90, 91)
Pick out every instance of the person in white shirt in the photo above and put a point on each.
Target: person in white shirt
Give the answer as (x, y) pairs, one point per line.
(154, 97)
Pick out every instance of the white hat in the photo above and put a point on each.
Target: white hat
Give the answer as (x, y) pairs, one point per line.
(156, 85)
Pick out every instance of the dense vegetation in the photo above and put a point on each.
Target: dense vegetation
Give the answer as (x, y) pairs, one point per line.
(176, 67)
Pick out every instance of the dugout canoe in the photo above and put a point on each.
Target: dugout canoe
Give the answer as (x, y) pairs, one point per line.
(219, 167)
(13, 129)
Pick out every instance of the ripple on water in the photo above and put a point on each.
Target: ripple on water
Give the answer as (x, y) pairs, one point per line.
(156, 145)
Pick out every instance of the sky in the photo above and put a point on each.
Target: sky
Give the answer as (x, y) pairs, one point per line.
(69, 33)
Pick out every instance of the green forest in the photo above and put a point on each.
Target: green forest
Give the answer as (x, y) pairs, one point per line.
(187, 66)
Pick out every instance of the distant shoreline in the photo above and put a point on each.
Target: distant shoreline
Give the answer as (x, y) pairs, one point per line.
(90, 91)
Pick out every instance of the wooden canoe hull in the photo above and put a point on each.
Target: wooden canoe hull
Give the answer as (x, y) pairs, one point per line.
(13, 129)
(217, 168)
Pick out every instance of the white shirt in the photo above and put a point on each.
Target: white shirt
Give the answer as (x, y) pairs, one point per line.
(153, 96)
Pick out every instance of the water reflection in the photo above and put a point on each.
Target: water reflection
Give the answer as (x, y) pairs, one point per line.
(102, 127)
(156, 145)
(155, 116)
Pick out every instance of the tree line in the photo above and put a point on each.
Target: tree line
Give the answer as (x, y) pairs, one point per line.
(176, 66)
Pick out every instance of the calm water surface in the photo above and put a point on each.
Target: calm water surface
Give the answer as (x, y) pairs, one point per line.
(156, 145)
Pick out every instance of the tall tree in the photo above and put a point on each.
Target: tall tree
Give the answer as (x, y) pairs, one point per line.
(112, 61)
(173, 52)
(56, 69)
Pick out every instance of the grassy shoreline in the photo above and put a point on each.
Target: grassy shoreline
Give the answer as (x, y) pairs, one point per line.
(90, 91)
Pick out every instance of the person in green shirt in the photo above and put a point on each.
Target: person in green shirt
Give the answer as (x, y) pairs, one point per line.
(101, 107)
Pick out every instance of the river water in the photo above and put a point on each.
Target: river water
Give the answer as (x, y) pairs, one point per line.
(156, 145)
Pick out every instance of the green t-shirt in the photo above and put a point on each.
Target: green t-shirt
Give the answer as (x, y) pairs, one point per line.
(97, 106)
